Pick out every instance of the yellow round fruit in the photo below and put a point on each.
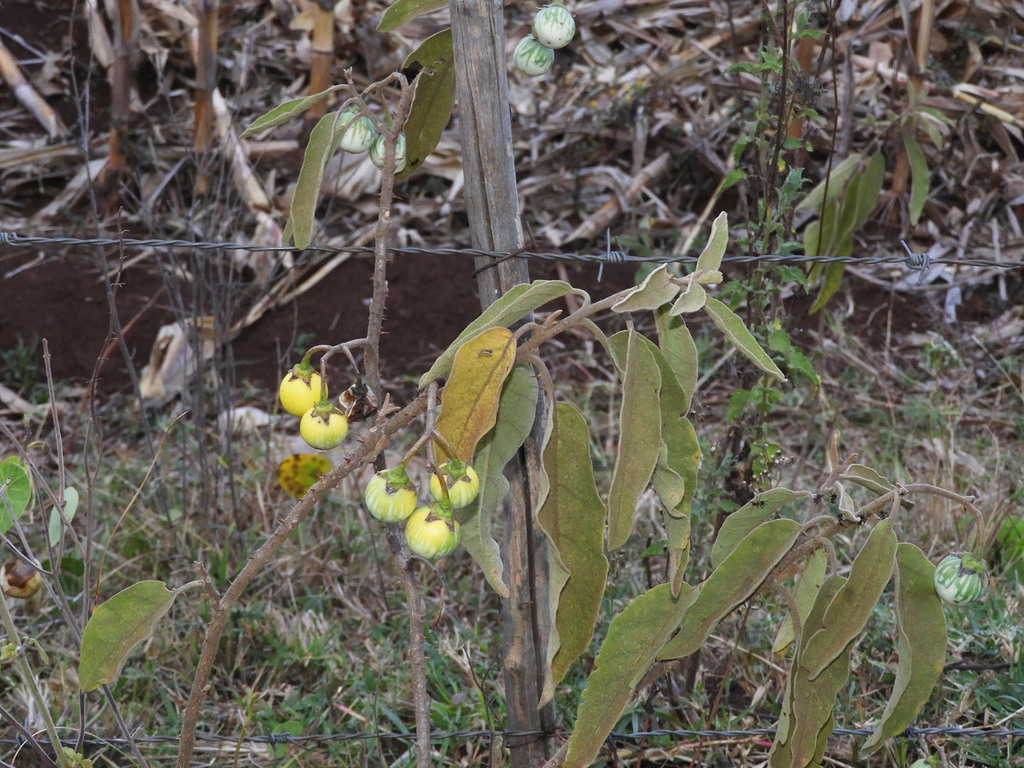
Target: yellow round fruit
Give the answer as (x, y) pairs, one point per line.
(299, 393)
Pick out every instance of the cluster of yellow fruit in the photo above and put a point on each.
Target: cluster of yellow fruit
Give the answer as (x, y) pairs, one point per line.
(431, 530)
(303, 394)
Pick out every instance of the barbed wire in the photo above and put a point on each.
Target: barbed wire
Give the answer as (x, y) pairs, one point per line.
(912, 261)
(305, 740)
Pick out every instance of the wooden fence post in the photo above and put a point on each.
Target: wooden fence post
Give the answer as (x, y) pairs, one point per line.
(492, 203)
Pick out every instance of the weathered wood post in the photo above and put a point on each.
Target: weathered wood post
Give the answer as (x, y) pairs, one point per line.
(481, 88)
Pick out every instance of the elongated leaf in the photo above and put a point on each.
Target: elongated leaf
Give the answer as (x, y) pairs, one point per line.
(850, 609)
(677, 343)
(508, 309)
(572, 516)
(745, 519)
(836, 184)
(432, 100)
(288, 111)
(116, 627)
(921, 645)
(874, 482)
(920, 178)
(677, 535)
(639, 439)
(711, 257)
(56, 524)
(15, 492)
(808, 710)
(517, 411)
(807, 586)
(798, 723)
(731, 325)
(402, 11)
(318, 152)
(731, 583)
(469, 403)
(634, 639)
(656, 290)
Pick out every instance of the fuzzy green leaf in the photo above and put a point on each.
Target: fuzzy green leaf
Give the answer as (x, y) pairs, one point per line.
(732, 582)
(56, 524)
(850, 609)
(835, 184)
(920, 178)
(874, 482)
(677, 343)
(690, 300)
(921, 645)
(807, 586)
(730, 324)
(745, 519)
(572, 516)
(807, 707)
(711, 257)
(116, 627)
(432, 101)
(402, 11)
(319, 149)
(288, 111)
(509, 308)
(639, 439)
(656, 290)
(517, 410)
(634, 639)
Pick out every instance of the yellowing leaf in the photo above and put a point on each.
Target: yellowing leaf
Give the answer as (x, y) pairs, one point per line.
(116, 627)
(807, 586)
(300, 472)
(517, 411)
(469, 403)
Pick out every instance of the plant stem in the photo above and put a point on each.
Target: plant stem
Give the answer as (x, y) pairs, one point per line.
(25, 670)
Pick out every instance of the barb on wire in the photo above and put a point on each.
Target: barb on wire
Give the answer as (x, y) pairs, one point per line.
(918, 262)
(914, 261)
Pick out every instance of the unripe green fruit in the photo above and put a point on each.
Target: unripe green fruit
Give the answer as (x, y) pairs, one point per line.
(323, 429)
(429, 535)
(961, 578)
(463, 484)
(377, 152)
(360, 134)
(533, 58)
(553, 26)
(387, 502)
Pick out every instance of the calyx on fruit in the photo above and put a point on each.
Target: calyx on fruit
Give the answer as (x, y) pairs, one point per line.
(461, 484)
(961, 578)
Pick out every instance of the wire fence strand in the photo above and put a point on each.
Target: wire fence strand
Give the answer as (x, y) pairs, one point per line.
(915, 262)
(307, 741)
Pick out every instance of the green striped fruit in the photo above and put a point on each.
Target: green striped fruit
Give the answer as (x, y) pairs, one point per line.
(377, 152)
(553, 26)
(461, 480)
(533, 58)
(961, 578)
(360, 133)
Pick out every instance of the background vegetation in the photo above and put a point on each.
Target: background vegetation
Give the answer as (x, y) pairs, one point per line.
(657, 117)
